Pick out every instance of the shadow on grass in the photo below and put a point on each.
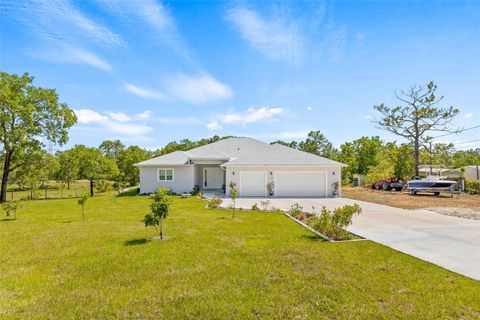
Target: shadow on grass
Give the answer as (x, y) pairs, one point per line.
(136, 242)
(129, 193)
(8, 219)
(313, 237)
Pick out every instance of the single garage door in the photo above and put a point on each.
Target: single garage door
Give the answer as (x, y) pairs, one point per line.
(253, 183)
(300, 184)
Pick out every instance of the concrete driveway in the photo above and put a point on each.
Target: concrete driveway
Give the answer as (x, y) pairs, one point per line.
(450, 242)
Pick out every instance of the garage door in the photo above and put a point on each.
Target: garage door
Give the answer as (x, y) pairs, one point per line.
(253, 183)
(300, 184)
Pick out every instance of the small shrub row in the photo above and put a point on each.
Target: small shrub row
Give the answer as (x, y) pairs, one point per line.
(330, 223)
(264, 206)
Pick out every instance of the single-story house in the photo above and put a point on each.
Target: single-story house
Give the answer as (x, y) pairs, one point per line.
(249, 163)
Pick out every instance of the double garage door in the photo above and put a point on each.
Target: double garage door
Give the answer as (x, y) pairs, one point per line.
(287, 184)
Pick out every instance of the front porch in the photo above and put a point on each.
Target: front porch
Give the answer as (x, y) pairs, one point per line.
(211, 179)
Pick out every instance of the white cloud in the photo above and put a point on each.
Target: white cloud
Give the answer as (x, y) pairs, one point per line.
(89, 116)
(309, 108)
(198, 89)
(143, 92)
(147, 114)
(182, 120)
(77, 55)
(59, 19)
(154, 14)
(278, 38)
(249, 116)
(468, 115)
(64, 32)
(214, 125)
(116, 122)
(368, 117)
(119, 116)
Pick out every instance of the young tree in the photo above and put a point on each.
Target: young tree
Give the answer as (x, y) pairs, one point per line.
(417, 117)
(160, 208)
(83, 201)
(233, 195)
(12, 207)
(28, 114)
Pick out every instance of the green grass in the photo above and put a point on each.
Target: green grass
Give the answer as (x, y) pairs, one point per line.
(259, 265)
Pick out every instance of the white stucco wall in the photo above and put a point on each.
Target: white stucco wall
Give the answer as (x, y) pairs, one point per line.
(183, 179)
(334, 174)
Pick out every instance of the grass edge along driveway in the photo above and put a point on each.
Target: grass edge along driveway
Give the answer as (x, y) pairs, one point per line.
(259, 265)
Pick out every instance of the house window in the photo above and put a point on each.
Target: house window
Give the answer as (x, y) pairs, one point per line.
(165, 174)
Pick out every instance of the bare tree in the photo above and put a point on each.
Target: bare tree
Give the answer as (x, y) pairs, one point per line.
(418, 115)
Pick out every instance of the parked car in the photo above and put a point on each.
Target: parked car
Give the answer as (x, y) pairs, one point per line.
(388, 184)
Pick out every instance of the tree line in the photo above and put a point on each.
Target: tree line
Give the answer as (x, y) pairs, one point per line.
(31, 116)
(380, 159)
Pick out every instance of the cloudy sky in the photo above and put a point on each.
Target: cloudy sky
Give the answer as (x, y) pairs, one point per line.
(148, 72)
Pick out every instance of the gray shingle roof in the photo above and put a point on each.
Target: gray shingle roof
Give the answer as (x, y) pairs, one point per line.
(173, 158)
(241, 151)
(278, 154)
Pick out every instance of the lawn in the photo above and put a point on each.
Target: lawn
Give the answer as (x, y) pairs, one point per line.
(259, 265)
(406, 201)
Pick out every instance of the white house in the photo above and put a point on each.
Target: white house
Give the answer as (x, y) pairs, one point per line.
(249, 163)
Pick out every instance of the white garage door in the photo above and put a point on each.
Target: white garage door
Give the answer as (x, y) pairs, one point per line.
(253, 183)
(300, 184)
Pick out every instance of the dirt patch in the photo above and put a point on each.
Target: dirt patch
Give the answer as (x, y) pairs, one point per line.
(406, 201)
(467, 213)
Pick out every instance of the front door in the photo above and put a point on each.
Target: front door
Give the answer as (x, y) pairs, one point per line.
(213, 178)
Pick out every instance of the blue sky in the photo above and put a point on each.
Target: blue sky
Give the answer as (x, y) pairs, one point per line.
(149, 72)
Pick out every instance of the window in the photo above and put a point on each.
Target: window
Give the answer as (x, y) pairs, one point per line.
(165, 174)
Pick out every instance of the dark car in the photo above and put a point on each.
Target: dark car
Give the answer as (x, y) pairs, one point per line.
(388, 184)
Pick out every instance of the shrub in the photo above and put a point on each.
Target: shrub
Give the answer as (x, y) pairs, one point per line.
(160, 194)
(255, 207)
(102, 186)
(195, 191)
(333, 224)
(12, 207)
(472, 187)
(295, 210)
(265, 204)
(214, 203)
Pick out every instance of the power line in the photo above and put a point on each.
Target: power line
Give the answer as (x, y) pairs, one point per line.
(465, 142)
(447, 134)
